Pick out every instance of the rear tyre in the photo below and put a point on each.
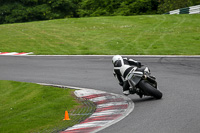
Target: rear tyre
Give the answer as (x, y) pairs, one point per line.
(149, 89)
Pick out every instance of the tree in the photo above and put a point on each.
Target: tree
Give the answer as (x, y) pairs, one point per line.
(169, 5)
(32, 10)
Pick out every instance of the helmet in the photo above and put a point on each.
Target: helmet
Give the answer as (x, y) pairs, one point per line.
(117, 61)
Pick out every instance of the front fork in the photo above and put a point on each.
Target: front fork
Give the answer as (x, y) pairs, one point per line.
(152, 81)
(134, 89)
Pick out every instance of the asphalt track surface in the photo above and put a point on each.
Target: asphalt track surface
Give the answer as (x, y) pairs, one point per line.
(178, 78)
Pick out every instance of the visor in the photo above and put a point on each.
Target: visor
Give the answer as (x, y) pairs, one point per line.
(117, 63)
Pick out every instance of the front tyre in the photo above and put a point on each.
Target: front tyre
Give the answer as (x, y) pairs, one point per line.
(150, 90)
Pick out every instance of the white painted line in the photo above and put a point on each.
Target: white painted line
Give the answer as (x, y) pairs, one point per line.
(146, 56)
(12, 53)
(90, 124)
(102, 98)
(108, 112)
(15, 53)
(85, 92)
(111, 104)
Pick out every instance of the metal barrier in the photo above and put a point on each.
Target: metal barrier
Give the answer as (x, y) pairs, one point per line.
(187, 10)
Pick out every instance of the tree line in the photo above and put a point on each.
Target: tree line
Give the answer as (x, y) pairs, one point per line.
(12, 11)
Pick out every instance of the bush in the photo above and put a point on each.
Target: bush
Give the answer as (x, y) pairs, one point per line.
(12, 11)
(143, 7)
(98, 8)
(32, 10)
(169, 5)
(117, 7)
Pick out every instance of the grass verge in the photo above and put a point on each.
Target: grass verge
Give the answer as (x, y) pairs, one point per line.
(27, 107)
(139, 35)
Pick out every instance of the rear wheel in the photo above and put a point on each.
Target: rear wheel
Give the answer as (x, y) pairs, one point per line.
(149, 89)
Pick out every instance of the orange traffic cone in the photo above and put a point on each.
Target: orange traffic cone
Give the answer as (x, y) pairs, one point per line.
(66, 116)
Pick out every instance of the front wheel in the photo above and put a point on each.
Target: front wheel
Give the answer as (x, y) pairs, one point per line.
(150, 90)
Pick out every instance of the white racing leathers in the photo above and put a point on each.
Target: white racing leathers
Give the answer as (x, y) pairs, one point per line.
(122, 67)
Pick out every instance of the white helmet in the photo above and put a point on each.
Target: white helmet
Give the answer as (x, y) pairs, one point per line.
(117, 61)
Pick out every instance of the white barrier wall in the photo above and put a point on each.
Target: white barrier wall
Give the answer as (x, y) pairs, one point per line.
(187, 10)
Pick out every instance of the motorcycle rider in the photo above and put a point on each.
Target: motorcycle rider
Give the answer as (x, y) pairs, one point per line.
(122, 67)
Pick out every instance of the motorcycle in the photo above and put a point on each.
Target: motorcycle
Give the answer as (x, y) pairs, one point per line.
(142, 83)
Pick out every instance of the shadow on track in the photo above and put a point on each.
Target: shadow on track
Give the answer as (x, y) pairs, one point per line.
(145, 99)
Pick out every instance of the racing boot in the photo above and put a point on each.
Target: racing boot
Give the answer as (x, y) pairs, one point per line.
(126, 92)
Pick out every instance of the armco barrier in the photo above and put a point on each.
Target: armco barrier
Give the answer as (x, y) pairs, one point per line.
(187, 10)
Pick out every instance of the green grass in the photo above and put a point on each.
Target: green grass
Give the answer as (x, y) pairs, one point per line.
(131, 35)
(27, 107)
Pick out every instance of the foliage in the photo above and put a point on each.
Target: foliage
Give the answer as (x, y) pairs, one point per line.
(139, 7)
(117, 7)
(32, 10)
(12, 11)
(169, 5)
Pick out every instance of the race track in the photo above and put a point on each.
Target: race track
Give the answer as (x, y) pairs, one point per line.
(178, 79)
